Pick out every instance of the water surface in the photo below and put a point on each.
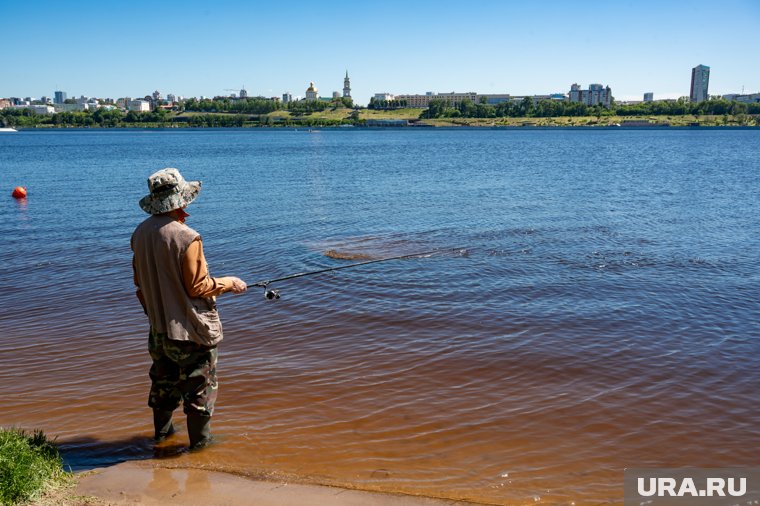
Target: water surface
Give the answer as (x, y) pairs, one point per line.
(594, 305)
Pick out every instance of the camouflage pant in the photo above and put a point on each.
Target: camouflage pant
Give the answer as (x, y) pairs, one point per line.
(182, 371)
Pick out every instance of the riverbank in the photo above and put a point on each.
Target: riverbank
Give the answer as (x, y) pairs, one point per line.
(377, 117)
(346, 117)
(142, 483)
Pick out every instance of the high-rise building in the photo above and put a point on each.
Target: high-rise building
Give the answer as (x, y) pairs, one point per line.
(60, 97)
(700, 79)
(596, 94)
(649, 96)
(346, 86)
(243, 93)
(287, 97)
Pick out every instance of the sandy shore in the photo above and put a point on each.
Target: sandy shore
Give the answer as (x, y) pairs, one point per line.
(136, 483)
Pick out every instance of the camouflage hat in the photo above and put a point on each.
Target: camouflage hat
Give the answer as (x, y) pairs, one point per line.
(168, 191)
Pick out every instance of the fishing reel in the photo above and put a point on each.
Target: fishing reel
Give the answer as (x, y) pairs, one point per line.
(269, 294)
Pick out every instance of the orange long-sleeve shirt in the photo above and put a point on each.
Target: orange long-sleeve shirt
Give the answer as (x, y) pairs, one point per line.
(195, 275)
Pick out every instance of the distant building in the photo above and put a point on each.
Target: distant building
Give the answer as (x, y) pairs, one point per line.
(157, 96)
(560, 97)
(700, 79)
(171, 98)
(455, 98)
(243, 93)
(749, 98)
(139, 105)
(346, 86)
(336, 94)
(424, 100)
(38, 109)
(383, 96)
(312, 92)
(69, 107)
(59, 97)
(287, 97)
(4, 103)
(495, 98)
(649, 97)
(596, 94)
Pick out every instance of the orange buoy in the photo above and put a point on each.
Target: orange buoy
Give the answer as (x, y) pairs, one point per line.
(19, 192)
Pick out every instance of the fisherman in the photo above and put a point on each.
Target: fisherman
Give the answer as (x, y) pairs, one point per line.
(179, 297)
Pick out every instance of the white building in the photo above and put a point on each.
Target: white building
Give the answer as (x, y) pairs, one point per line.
(750, 98)
(38, 109)
(346, 86)
(311, 92)
(424, 100)
(139, 105)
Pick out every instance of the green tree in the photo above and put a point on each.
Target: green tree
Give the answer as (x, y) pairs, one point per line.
(526, 106)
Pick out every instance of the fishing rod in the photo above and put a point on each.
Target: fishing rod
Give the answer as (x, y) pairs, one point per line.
(275, 294)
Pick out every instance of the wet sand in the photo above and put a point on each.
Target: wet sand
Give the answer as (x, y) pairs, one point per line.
(136, 483)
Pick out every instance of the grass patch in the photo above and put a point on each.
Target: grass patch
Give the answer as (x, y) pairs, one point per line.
(29, 464)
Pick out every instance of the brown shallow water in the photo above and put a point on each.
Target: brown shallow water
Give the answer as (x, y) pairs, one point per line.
(596, 319)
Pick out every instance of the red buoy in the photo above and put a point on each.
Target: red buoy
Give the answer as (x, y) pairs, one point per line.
(19, 192)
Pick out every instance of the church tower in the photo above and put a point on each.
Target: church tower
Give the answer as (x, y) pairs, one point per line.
(311, 92)
(347, 86)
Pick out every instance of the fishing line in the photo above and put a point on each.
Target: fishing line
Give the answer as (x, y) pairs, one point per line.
(275, 294)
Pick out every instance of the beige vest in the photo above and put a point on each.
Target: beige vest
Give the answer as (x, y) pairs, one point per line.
(159, 244)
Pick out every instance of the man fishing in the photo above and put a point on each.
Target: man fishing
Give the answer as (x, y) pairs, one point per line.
(179, 297)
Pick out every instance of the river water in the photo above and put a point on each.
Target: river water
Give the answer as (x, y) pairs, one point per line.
(593, 304)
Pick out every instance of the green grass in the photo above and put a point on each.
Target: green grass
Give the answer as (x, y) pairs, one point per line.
(29, 463)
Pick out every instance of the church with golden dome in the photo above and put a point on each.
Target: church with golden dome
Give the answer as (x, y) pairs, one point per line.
(311, 92)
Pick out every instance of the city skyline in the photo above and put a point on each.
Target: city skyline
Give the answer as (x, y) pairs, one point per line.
(196, 48)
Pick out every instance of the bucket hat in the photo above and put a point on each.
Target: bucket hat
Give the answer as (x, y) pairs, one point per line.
(168, 191)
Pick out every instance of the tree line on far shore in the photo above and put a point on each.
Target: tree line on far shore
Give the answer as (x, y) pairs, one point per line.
(205, 113)
(223, 112)
(526, 108)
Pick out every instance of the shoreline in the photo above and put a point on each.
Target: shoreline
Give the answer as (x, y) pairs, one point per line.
(141, 483)
(317, 129)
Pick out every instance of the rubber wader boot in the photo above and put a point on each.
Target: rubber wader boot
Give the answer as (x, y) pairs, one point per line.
(162, 422)
(199, 430)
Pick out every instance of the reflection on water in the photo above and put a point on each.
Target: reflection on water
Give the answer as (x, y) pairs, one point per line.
(593, 305)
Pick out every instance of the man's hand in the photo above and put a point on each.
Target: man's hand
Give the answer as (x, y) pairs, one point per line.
(238, 285)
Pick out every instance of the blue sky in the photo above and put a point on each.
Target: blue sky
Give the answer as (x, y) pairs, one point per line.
(191, 48)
